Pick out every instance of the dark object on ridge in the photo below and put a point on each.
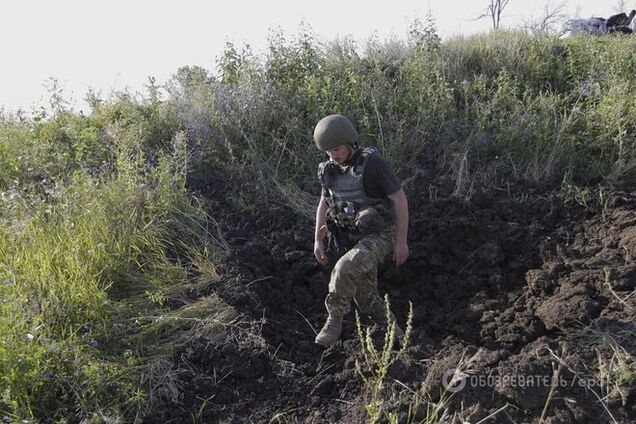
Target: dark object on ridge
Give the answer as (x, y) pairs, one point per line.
(621, 29)
(620, 23)
(621, 19)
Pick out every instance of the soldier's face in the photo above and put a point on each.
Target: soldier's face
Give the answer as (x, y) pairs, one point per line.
(339, 154)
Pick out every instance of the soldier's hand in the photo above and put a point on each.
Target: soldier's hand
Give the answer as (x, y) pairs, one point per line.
(400, 253)
(319, 252)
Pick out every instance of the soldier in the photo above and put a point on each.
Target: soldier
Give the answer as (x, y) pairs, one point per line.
(364, 211)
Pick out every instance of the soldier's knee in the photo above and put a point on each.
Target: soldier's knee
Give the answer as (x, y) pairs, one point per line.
(345, 269)
(357, 261)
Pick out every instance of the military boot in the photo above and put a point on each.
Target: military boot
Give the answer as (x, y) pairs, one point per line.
(331, 331)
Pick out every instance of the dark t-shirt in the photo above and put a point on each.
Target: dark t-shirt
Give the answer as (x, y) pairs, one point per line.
(379, 178)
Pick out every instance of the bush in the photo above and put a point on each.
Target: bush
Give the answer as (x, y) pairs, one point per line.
(502, 105)
(80, 272)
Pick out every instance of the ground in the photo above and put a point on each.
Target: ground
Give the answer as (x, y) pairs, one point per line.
(522, 293)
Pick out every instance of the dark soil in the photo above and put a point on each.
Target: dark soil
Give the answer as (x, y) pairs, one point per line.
(512, 288)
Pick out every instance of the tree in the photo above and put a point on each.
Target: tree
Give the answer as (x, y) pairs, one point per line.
(553, 17)
(423, 33)
(493, 11)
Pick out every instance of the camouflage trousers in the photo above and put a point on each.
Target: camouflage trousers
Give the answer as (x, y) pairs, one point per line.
(355, 276)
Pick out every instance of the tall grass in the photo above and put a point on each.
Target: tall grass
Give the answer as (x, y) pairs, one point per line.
(503, 105)
(85, 276)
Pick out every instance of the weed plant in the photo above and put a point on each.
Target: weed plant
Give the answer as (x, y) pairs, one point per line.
(479, 110)
(375, 367)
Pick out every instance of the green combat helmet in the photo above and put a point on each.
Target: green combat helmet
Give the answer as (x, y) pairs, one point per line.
(333, 131)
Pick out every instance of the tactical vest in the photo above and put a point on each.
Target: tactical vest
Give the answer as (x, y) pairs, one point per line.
(347, 198)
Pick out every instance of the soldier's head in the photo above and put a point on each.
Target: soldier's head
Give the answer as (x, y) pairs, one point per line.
(336, 136)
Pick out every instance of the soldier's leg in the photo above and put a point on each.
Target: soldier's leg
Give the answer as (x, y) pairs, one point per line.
(369, 301)
(373, 249)
(338, 301)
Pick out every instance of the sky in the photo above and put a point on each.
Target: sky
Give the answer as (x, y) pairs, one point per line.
(117, 44)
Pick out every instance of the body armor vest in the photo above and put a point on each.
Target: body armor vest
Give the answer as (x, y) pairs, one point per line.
(350, 208)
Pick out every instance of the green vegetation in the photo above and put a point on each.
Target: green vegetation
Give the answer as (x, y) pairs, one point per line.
(375, 368)
(484, 109)
(99, 228)
(89, 259)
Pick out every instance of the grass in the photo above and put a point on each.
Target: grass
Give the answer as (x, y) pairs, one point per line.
(481, 110)
(85, 328)
(610, 371)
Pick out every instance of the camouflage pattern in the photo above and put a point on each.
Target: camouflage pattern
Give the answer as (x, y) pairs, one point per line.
(355, 277)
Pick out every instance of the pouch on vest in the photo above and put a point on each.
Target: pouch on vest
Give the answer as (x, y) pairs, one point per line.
(339, 241)
(369, 221)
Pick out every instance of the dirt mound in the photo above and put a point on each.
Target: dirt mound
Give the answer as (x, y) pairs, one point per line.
(525, 302)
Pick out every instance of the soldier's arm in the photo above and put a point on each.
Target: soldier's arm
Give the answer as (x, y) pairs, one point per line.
(401, 250)
(320, 233)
